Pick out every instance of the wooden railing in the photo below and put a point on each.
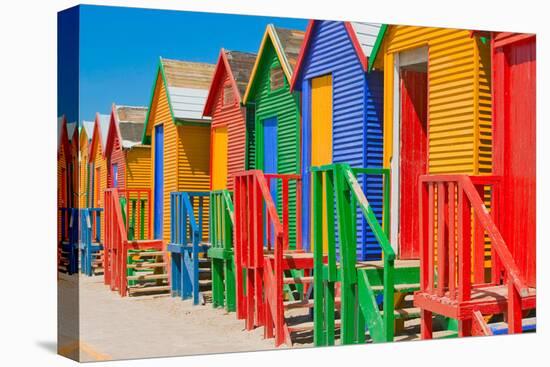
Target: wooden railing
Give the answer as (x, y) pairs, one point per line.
(449, 241)
(222, 221)
(338, 184)
(136, 206)
(117, 244)
(185, 242)
(90, 235)
(259, 231)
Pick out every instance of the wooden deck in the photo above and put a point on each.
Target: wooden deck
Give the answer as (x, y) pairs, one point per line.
(490, 299)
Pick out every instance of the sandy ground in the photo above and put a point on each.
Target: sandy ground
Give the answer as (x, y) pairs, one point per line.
(151, 326)
(111, 327)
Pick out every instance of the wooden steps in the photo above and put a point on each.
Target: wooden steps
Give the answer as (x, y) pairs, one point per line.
(528, 324)
(148, 271)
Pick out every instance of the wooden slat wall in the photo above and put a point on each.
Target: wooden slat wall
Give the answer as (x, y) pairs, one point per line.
(83, 171)
(459, 98)
(193, 171)
(160, 114)
(232, 116)
(138, 172)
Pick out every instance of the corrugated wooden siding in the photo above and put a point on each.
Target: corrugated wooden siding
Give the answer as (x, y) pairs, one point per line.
(117, 157)
(61, 187)
(459, 98)
(194, 163)
(83, 173)
(285, 107)
(251, 136)
(138, 172)
(232, 116)
(100, 162)
(160, 114)
(357, 117)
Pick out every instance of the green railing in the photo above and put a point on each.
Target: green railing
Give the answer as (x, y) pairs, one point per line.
(337, 184)
(221, 250)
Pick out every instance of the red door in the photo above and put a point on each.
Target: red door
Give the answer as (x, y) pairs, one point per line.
(413, 158)
(515, 149)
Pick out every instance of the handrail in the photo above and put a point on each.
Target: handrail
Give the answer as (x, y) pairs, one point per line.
(342, 175)
(256, 210)
(466, 185)
(501, 249)
(377, 230)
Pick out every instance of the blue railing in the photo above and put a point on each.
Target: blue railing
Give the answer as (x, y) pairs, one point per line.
(185, 242)
(90, 237)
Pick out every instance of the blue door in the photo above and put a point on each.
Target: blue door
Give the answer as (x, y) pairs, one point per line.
(270, 157)
(159, 181)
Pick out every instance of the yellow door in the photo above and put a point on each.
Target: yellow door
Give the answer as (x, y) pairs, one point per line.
(219, 158)
(321, 135)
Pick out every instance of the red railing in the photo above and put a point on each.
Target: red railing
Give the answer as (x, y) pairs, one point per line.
(117, 243)
(448, 228)
(259, 233)
(138, 212)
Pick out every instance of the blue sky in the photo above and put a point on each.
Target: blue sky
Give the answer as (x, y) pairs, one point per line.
(120, 48)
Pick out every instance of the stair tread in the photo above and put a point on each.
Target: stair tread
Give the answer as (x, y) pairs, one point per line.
(308, 325)
(149, 289)
(146, 265)
(406, 313)
(397, 264)
(148, 277)
(297, 280)
(298, 304)
(398, 287)
(147, 253)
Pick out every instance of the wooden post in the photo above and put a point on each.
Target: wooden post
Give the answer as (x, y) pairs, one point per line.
(464, 246)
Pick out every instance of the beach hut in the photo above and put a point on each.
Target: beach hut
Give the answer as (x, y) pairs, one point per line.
(129, 162)
(98, 166)
(86, 131)
(179, 136)
(232, 145)
(341, 113)
(514, 147)
(437, 89)
(66, 234)
(277, 110)
(231, 151)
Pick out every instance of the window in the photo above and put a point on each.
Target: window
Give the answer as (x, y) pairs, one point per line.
(228, 95)
(115, 175)
(276, 77)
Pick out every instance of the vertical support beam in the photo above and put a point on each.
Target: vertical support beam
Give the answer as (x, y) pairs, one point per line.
(479, 244)
(318, 288)
(464, 246)
(514, 309)
(426, 324)
(441, 240)
(452, 244)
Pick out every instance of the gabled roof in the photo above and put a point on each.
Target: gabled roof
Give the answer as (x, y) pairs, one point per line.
(187, 86)
(101, 131)
(72, 131)
(126, 123)
(239, 65)
(377, 45)
(287, 43)
(87, 128)
(363, 37)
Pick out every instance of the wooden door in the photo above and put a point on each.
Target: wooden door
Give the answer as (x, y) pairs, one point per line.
(321, 137)
(159, 181)
(413, 158)
(219, 158)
